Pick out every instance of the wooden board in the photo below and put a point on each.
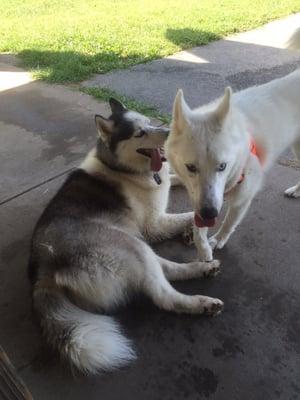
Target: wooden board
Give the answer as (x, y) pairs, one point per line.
(11, 385)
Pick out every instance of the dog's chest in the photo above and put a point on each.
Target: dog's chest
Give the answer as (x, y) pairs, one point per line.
(147, 201)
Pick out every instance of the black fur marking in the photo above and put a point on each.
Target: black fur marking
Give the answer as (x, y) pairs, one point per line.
(157, 178)
(80, 198)
(85, 195)
(110, 159)
(123, 129)
(116, 106)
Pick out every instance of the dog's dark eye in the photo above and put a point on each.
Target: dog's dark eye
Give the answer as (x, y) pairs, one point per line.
(140, 133)
(222, 166)
(191, 167)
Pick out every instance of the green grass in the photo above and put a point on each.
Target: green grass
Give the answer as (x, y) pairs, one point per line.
(68, 40)
(131, 104)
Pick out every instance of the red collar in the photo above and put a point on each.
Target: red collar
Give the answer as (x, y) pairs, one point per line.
(255, 152)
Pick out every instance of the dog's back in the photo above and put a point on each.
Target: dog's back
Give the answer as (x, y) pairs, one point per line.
(72, 241)
(86, 248)
(82, 200)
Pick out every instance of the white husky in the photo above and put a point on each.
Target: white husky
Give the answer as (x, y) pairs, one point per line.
(224, 149)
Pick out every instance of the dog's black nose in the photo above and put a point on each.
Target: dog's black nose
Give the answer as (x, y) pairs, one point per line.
(208, 212)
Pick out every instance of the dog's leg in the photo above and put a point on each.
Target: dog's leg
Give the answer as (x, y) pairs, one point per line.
(202, 244)
(234, 215)
(238, 203)
(114, 279)
(294, 191)
(156, 285)
(180, 271)
(166, 226)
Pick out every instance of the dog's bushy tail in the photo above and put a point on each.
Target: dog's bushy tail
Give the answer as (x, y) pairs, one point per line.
(90, 342)
(294, 41)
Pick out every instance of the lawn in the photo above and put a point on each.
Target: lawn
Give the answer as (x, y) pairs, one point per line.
(68, 40)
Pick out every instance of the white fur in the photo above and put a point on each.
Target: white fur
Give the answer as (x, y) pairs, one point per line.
(137, 118)
(90, 164)
(146, 198)
(220, 132)
(96, 342)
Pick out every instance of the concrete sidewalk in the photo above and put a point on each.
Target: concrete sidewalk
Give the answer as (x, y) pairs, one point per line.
(250, 352)
(203, 72)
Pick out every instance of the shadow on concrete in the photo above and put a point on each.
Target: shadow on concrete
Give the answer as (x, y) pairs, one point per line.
(61, 65)
(250, 351)
(202, 72)
(37, 141)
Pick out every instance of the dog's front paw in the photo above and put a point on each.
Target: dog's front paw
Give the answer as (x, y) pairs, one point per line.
(293, 192)
(212, 269)
(217, 243)
(213, 307)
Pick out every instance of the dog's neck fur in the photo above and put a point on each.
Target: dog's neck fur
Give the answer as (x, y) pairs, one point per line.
(106, 157)
(238, 169)
(95, 165)
(104, 154)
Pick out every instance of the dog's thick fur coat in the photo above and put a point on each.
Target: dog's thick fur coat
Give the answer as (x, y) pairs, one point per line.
(89, 252)
(210, 149)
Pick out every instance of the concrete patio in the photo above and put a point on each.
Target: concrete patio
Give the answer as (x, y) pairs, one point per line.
(251, 351)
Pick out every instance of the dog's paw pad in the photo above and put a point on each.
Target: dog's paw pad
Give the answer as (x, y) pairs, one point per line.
(213, 269)
(214, 308)
(293, 192)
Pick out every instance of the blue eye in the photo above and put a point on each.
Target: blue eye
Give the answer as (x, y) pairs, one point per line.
(191, 167)
(222, 167)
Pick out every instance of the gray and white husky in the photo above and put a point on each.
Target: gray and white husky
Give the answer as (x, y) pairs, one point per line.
(89, 250)
(224, 149)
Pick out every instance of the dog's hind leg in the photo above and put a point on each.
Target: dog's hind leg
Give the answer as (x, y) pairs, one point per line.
(238, 204)
(197, 269)
(294, 191)
(157, 287)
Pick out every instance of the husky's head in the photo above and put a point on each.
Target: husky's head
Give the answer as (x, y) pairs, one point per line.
(205, 151)
(128, 141)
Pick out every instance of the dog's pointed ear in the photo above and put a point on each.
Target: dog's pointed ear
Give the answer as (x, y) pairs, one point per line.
(116, 106)
(224, 105)
(104, 127)
(180, 109)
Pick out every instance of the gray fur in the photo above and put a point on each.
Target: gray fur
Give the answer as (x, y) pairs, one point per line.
(89, 252)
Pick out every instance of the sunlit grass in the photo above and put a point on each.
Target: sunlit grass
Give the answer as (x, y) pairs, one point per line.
(68, 40)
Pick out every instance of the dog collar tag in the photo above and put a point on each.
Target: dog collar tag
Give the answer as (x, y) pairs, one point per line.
(157, 179)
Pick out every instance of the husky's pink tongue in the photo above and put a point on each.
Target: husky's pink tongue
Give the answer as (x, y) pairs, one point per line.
(201, 223)
(156, 162)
